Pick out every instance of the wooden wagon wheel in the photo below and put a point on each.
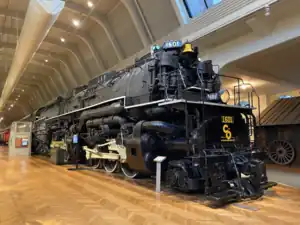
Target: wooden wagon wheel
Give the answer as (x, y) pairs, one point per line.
(281, 152)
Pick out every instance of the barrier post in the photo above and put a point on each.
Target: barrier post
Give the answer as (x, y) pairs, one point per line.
(76, 146)
(75, 142)
(158, 160)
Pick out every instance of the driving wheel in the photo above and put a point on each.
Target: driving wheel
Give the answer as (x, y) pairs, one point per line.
(96, 163)
(110, 166)
(129, 172)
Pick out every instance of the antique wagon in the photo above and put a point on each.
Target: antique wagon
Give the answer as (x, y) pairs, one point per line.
(278, 131)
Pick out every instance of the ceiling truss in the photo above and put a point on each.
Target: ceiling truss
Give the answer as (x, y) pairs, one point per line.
(55, 70)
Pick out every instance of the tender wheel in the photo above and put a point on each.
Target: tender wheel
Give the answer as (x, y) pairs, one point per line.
(281, 152)
(171, 178)
(176, 178)
(129, 172)
(43, 149)
(110, 166)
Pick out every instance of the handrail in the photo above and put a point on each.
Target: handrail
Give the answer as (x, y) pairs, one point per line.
(258, 98)
(234, 91)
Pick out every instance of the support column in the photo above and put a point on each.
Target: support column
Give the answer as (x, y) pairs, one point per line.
(55, 89)
(112, 39)
(45, 86)
(41, 93)
(38, 98)
(26, 108)
(263, 103)
(139, 22)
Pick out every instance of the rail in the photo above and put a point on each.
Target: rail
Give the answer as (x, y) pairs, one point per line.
(250, 96)
(236, 93)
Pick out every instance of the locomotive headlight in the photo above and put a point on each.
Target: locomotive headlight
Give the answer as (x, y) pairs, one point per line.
(224, 95)
(155, 47)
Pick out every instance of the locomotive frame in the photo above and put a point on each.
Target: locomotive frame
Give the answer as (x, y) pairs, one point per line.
(174, 110)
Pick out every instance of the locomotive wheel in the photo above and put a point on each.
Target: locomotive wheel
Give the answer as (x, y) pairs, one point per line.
(183, 181)
(99, 164)
(129, 172)
(171, 178)
(176, 178)
(96, 164)
(281, 152)
(43, 149)
(110, 166)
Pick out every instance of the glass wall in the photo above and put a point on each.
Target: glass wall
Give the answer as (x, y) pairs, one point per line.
(195, 8)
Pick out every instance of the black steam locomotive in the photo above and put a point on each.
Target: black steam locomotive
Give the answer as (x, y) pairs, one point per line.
(167, 104)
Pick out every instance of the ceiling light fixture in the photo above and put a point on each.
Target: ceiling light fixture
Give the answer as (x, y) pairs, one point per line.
(90, 4)
(62, 39)
(76, 22)
(243, 86)
(22, 90)
(12, 105)
(267, 10)
(46, 60)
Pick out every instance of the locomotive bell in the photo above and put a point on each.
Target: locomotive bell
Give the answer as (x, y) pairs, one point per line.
(188, 55)
(187, 48)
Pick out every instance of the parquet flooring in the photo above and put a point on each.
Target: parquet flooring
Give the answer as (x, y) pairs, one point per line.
(35, 192)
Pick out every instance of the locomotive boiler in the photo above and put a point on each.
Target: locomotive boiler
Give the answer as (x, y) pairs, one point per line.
(167, 104)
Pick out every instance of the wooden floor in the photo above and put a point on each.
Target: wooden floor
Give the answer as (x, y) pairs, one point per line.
(35, 192)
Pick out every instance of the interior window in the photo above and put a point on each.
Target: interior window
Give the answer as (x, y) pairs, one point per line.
(197, 7)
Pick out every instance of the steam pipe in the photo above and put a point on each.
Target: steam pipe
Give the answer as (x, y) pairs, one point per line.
(160, 126)
(111, 120)
(40, 16)
(112, 109)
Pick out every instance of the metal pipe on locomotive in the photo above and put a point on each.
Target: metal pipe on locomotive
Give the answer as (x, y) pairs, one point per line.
(167, 104)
